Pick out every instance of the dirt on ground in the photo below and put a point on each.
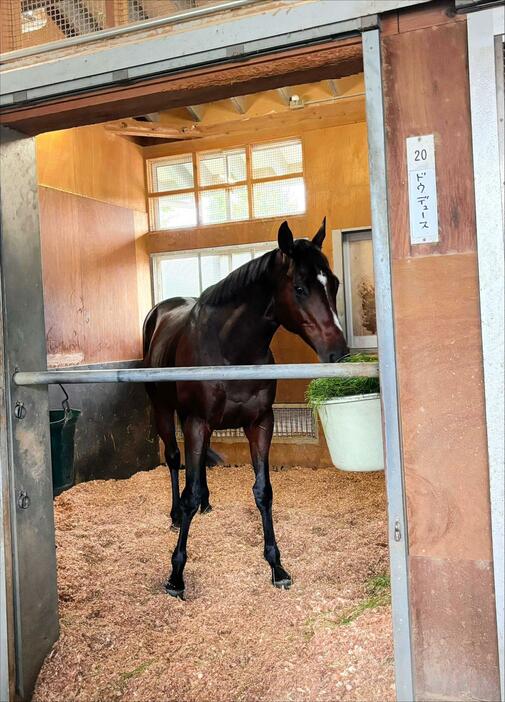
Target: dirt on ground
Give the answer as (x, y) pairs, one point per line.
(235, 638)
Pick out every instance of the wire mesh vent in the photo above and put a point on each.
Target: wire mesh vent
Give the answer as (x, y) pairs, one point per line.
(27, 23)
(290, 422)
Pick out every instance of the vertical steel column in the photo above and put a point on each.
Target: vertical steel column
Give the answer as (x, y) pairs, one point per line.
(483, 28)
(6, 599)
(398, 541)
(27, 413)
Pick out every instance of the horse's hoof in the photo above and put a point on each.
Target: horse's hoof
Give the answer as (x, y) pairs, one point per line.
(175, 527)
(283, 584)
(281, 578)
(174, 591)
(206, 509)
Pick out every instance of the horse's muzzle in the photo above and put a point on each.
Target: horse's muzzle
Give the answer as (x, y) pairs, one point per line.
(335, 355)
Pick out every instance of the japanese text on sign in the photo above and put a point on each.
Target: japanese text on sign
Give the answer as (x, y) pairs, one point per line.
(422, 178)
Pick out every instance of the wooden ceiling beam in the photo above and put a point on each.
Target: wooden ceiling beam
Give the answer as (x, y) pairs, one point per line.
(152, 130)
(350, 110)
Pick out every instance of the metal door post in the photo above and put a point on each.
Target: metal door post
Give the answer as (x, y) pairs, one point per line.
(35, 602)
(397, 519)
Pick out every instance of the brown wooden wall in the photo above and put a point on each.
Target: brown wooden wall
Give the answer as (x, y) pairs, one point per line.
(439, 357)
(95, 267)
(336, 177)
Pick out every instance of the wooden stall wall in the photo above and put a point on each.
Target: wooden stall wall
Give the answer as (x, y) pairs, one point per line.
(439, 357)
(337, 185)
(93, 216)
(97, 289)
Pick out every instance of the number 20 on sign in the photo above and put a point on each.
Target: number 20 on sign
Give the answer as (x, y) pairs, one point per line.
(422, 179)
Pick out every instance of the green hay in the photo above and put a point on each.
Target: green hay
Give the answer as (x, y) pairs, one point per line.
(379, 594)
(321, 390)
(136, 671)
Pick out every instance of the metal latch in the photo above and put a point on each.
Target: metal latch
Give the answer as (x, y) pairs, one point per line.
(398, 531)
(19, 410)
(23, 500)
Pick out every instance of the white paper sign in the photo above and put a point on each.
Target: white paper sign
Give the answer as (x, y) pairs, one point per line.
(423, 209)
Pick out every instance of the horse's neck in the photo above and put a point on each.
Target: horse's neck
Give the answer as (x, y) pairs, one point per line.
(245, 330)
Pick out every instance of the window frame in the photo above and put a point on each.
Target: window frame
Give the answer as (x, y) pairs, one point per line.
(229, 249)
(153, 196)
(368, 342)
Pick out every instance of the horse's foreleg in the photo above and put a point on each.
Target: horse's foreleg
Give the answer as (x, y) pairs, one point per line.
(260, 437)
(196, 439)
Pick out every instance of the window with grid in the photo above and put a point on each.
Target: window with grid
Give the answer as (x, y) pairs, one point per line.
(213, 187)
(189, 273)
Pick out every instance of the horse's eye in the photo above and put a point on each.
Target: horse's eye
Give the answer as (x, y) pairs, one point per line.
(299, 290)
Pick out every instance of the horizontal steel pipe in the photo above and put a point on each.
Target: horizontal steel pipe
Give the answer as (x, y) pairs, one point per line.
(156, 375)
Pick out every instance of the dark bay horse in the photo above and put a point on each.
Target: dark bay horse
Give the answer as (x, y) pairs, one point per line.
(232, 323)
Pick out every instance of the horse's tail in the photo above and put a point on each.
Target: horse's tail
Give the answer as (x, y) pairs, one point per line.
(212, 458)
(148, 329)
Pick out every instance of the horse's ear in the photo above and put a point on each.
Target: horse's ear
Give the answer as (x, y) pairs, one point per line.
(320, 234)
(285, 238)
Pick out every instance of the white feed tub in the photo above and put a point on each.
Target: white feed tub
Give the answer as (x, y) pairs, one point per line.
(353, 429)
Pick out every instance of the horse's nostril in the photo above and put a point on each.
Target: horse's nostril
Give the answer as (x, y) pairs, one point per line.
(334, 357)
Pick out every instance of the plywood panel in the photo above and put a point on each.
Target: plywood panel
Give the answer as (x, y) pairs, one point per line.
(109, 281)
(90, 278)
(62, 275)
(442, 406)
(144, 292)
(453, 625)
(56, 166)
(426, 91)
(94, 163)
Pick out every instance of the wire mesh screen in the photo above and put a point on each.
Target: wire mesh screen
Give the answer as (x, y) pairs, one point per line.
(222, 167)
(290, 422)
(224, 205)
(27, 23)
(270, 160)
(279, 197)
(173, 174)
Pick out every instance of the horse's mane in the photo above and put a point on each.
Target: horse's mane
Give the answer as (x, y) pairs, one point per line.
(236, 283)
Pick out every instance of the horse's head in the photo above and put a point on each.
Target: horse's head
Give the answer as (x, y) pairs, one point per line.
(305, 300)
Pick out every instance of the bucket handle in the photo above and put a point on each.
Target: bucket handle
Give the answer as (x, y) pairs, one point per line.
(66, 405)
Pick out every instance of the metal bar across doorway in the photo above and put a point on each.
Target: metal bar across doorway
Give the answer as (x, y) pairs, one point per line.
(281, 371)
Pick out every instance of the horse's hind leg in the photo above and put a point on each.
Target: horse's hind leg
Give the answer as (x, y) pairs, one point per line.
(205, 505)
(166, 429)
(260, 437)
(196, 439)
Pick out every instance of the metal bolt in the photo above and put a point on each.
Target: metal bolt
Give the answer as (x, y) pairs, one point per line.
(398, 531)
(19, 410)
(23, 500)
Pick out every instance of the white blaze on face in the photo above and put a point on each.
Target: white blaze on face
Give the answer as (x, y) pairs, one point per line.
(324, 282)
